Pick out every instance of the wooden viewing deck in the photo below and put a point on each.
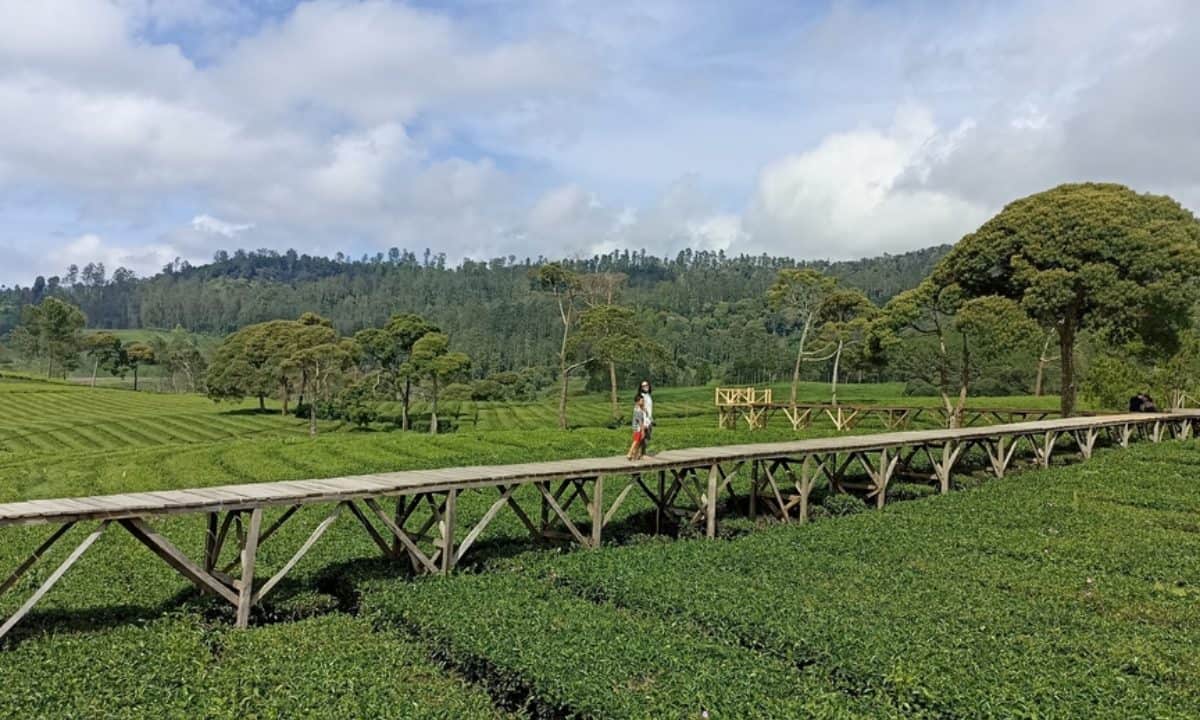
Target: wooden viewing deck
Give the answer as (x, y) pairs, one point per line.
(684, 483)
(756, 407)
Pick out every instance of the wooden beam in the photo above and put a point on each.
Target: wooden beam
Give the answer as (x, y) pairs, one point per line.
(312, 539)
(37, 555)
(414, 551)
(553, 505)
(714, 475)
(483, 522)
(447, 527)
(53, 579)
(171, 555)
(249, 557)
(384, 546)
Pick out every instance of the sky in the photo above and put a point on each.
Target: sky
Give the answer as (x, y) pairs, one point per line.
(136, 132)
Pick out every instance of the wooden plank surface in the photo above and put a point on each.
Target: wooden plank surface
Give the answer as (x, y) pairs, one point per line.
(326, 489)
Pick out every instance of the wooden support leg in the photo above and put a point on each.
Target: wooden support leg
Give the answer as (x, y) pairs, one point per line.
(662, 497)
(596, 511)
(312, 539)
(419, 559)
(1086, 441)
(805, 486)
(447, 527)
(53, 579)
(249, 557)
(714, 476)
(210, 542)
(754, 489)
(203, 579)
(37, 555)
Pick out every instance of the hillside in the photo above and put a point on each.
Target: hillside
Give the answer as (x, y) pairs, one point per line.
(488, 308)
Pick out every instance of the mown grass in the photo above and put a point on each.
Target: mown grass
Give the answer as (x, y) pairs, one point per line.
(1065, 593)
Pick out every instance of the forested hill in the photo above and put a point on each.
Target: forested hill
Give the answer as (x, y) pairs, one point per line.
(696, 299)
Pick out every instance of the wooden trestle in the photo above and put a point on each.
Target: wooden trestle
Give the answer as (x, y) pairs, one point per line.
(684, 484)
(846, 417)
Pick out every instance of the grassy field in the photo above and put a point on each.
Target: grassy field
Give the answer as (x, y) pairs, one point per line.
(1070, 592)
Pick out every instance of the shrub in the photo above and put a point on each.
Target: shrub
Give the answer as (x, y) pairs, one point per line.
(842, 504)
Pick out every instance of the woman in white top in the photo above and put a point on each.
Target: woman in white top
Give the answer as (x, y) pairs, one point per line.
(644, 390)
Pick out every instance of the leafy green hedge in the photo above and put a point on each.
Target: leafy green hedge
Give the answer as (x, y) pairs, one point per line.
(333, 667)
(1052, 594)
(560, 656)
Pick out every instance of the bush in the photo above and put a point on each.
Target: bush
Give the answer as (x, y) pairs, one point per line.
(842, 504)
(920, 388)
(910, 491)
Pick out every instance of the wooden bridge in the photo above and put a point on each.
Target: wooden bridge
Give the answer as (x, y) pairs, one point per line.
(684, 484)
(756, 407)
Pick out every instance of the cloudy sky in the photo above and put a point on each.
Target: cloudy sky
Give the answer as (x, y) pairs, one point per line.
(133, 132)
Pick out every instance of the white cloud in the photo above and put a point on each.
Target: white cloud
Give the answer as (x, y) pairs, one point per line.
(217, 226)
(533, 128)
(143, 259)
(844, 199)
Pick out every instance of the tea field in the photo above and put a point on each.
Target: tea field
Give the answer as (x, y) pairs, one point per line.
(1068, 592)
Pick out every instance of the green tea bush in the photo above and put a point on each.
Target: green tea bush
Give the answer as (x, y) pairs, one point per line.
(559, 656)
(841, 504)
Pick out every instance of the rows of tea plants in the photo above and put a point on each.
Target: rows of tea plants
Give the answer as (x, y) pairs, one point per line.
(1070, 592)
(558, 656)
(334, 666)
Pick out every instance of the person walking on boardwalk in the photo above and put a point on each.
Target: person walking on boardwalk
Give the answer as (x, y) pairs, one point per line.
(639, 428)
(644, 390)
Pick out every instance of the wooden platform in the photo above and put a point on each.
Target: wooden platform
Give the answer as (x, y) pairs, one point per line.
(683, 484)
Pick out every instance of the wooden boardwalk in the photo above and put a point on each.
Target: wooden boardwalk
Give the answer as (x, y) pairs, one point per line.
(682, 484)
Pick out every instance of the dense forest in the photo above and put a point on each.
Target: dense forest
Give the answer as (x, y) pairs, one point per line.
(707, 309)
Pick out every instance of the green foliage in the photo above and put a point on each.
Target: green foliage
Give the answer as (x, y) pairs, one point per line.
(51, 331)
(1092, 257)
(840, 505)
(562, 656)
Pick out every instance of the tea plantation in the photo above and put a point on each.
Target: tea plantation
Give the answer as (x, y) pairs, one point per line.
(1068, 592)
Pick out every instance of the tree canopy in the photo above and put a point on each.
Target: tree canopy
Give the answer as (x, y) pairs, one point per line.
(1094, 257)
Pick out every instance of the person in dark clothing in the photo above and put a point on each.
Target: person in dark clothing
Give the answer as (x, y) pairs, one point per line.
(1142, 403)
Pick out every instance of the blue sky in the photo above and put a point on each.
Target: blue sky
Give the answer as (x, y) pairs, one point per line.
(138, 131)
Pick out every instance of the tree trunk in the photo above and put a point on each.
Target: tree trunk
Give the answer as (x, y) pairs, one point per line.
(562, 369)
(612, 381)
(262, 403)
(135, 377)
(95, 367)
(433, 418)
(837, 359)
(404, 422)
(1043, 361)
(312, 419)
(964, 383)
(562, 400)
(1066, 347)
(799, 361)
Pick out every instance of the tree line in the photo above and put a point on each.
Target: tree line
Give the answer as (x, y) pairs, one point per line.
(1087, 287)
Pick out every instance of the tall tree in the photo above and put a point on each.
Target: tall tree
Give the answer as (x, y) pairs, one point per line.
(389, 348)
(1096, 257)
(323, 367)
(799, 295)
(846, 317)
(432, 360)
(564, 286)
(52, 330)
(610, 334)
(106, 352)
(136, 355)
